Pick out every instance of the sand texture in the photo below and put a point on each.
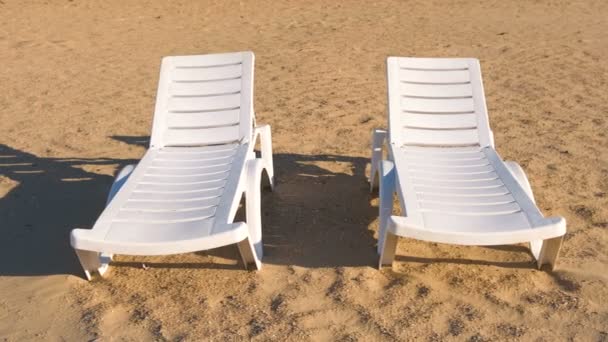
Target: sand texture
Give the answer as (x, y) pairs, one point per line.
(77, 87)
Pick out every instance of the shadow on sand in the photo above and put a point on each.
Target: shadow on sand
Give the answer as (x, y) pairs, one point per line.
(49, 197)
(315, 218)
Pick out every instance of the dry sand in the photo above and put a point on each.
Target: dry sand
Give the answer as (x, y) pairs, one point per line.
(77, 87)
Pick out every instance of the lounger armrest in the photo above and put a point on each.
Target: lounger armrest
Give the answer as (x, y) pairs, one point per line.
(556, 223)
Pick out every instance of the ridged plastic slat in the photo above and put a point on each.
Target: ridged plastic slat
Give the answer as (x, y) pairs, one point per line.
(426, 137)
(438, 106)
(202, 136)
(204, 119)
(440, 121)
(204, 104)
(436, 90)
(205, 74)
(434, 76)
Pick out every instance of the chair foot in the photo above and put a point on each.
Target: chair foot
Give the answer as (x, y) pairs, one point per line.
(387, 189)
(93, 262)
(549, 252)
(388, 248)
(249, 255)
(253, 212)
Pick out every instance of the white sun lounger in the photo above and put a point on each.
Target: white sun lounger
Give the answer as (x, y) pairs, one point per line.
(452, 185)
(184, 193)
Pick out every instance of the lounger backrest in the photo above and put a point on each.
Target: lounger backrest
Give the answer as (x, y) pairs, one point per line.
(204, 100)
(437, 102)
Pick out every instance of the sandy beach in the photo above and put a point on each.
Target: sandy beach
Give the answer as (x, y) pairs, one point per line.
(77, 89)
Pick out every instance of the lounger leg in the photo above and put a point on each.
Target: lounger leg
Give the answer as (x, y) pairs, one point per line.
(387, 188)
(90, 261)
(253, 210)
(388, 249)
(378, 137)
(248, 254)
(266, 146)
(549, 252)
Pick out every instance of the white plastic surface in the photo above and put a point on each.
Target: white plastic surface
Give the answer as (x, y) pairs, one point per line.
(437, 102)
(452, 185)
(184, 193)
(204, 100)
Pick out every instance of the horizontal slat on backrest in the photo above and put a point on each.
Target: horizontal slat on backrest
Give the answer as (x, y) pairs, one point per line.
(205, 88)
(440, 121)
(204, 100)
(434, 76)
(436, 90)
(205, 74)
(464, 105)
(206, 119)
(426, 137)
(436, 102)
(202, 136)
(204, 103)
(434, 63)
(208, 60)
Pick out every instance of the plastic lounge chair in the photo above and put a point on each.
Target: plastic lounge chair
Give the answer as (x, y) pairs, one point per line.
(184, 193)
(452, 185)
